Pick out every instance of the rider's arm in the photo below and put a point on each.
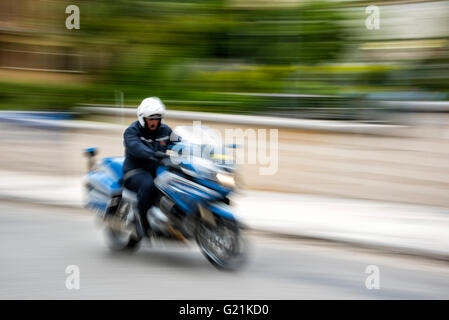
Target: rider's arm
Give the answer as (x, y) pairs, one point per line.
(135, 147)
(173, 137)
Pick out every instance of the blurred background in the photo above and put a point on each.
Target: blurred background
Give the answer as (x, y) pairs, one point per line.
(294, 59)
(372, 106)
(204, 55)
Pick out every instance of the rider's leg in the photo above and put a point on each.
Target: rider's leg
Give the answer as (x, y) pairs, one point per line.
(143, 184)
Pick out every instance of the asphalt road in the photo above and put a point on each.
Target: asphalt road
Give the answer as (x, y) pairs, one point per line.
(37, 243)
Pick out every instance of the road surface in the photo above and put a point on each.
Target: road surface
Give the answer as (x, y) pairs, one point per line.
(37, 243)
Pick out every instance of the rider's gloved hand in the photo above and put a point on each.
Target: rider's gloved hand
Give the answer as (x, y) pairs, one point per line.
(160, 155)
(166, 162)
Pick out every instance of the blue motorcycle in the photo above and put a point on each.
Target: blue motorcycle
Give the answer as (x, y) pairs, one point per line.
(193, 187)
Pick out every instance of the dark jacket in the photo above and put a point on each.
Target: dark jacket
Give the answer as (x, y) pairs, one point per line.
(141, 144)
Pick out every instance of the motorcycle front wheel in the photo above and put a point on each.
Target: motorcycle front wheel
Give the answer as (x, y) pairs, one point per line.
(223, 244)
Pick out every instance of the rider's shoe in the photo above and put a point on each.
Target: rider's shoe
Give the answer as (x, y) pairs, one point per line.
(146, 225)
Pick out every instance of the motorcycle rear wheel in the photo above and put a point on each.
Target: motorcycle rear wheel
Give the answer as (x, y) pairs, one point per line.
(116, 238)
(117, 241)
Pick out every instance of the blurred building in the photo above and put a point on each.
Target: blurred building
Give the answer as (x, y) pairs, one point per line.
(409, 30)
(33, 37)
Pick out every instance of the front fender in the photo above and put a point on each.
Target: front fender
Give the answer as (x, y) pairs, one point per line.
(221, 209)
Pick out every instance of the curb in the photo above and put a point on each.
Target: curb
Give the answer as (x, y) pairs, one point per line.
(54, 203)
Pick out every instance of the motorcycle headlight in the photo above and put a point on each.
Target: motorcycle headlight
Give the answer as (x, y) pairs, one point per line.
(226, 180)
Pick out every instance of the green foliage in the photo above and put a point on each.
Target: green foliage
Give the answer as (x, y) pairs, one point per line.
(194, 50)
(172, 48)
(308, 34)
(16, 96)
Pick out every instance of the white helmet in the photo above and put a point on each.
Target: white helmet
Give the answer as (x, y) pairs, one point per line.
(150, 108)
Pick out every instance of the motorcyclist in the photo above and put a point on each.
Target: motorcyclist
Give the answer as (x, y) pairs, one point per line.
(146, 141)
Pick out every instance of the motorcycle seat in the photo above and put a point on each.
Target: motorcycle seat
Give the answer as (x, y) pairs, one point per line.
(129, 195)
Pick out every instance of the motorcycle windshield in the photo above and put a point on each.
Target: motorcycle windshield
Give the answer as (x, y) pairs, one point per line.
(203, 142)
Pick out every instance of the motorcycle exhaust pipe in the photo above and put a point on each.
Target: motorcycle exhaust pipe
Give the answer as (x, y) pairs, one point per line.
(167, 206)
